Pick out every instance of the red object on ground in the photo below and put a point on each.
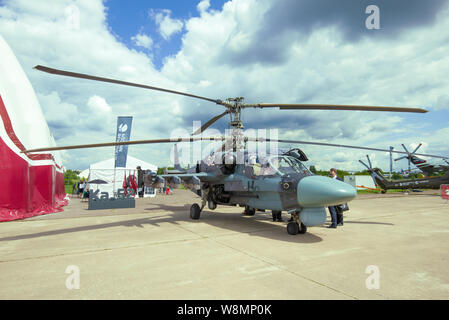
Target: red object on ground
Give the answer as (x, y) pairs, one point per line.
(444, 191)
(133, 183)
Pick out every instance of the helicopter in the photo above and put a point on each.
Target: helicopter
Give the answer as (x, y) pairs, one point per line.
(236, 176)
(427, 168)
(423, 183)
(254, 167)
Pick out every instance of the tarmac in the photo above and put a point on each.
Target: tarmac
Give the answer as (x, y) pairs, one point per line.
(392, 246)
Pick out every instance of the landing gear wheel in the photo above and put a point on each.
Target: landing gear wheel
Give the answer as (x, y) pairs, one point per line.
(303, 229)
(249, 211)
(195, 211)
(292, 228)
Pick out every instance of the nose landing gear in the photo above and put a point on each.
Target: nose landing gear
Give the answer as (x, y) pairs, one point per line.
(296, 226)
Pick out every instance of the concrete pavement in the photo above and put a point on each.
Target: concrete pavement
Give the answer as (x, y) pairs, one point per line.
(398, 243)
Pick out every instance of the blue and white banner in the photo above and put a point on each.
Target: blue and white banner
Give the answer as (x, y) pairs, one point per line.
(123, 134)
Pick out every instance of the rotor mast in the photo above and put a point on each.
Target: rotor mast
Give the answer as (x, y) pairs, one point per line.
(235, 106)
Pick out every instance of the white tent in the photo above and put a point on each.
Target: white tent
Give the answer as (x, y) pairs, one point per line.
(104, 170)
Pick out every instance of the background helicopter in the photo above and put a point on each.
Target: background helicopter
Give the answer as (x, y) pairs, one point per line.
(427, 168)
(385, 184)
(235, 176)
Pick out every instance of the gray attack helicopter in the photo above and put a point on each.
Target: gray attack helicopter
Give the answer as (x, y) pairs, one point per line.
(235, 176)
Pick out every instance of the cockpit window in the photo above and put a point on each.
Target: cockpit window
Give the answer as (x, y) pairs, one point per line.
(275, 165)
(287, 164)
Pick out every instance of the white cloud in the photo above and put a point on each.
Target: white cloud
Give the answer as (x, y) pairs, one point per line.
(167, 25)
(203, 6)
(59, 115)
(142, 40)
(98, 105)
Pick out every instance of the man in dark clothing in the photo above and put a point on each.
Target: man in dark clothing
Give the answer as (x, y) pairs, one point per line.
(140, 182)
(335, 211)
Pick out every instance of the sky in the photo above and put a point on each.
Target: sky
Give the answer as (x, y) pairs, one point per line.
(276, 51)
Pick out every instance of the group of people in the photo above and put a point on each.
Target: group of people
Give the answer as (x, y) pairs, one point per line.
(81, 189)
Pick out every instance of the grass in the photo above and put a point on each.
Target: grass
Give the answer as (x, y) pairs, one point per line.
(68, 188)
(367, 191)
(378, 191)
(389, 190)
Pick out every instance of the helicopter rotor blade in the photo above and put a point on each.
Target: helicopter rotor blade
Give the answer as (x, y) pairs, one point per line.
(369, 161)
(404, 157)
(111, 144)
(335, 107)
(403, 146)
(417, 148)
(125, 83)
(367, 167)
(209, 123)
(338, 145)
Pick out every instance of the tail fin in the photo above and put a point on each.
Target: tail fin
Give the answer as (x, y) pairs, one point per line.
(417, 161)
(378, 178)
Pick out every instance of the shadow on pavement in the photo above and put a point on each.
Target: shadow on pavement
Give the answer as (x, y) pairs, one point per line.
(260, 225)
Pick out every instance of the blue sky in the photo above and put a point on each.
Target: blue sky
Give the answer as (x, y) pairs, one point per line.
(128, 18)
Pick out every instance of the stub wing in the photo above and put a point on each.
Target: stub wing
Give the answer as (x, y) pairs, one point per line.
(190, 181)
(202, 176)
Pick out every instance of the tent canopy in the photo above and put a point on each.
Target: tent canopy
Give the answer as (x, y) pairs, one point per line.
(104, 170)
(131, 164)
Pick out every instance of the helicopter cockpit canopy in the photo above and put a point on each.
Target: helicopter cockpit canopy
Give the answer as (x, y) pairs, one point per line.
(287, 164)
(276, 165)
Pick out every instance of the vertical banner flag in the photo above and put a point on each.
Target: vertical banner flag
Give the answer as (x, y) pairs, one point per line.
(123, 134)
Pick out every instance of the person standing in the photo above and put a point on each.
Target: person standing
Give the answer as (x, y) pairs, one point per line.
(335, 212)
(81, 187)
(277, 216)
(140, 182)
(75, 188)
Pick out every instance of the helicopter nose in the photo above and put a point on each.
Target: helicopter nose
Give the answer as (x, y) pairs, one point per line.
(319, 191)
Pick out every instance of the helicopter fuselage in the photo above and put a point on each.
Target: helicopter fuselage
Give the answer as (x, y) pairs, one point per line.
(274, 182)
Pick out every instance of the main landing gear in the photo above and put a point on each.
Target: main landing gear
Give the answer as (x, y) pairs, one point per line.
(195, 211)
